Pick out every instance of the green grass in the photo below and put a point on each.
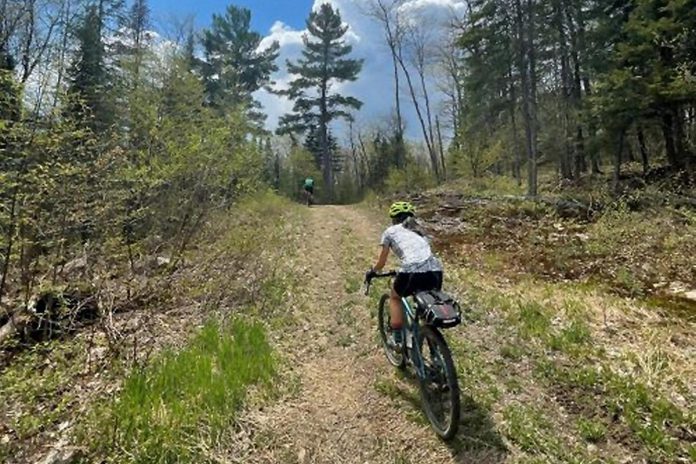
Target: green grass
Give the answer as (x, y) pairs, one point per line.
(591, 430)
(570, 338)
(39, 385)
(182, 403)
(531, 319)
(531, 430)
(652, 420)
(353, 285)
(475, 373)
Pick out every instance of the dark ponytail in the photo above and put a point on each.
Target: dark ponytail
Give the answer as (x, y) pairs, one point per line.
(408, 220)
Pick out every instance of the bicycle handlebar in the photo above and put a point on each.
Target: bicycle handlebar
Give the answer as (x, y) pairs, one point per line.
(368, 280)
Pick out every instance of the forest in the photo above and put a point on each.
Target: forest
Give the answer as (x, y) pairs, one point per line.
(131, 147)
(112, 134)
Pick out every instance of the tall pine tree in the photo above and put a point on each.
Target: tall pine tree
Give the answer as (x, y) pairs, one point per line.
(88, 88)
(234, 67)
(323, 63)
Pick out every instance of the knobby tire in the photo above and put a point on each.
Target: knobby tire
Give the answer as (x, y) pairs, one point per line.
(441, 379)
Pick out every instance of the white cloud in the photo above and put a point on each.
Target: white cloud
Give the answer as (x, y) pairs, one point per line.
(375, 85)
(283, 34)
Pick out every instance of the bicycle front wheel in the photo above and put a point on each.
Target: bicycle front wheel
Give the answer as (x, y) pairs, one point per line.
(439, 388)
(395, 358)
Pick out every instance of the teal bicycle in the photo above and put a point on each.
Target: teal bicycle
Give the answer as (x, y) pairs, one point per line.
(426, 351)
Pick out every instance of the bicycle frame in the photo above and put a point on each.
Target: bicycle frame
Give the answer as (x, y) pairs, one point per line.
(413, 327)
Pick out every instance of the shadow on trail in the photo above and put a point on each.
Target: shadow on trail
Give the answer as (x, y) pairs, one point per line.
(477, 439)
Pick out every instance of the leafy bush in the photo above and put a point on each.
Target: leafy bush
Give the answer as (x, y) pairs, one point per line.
(412, 178)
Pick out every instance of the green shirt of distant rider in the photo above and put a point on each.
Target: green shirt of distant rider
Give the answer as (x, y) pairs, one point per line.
(309, 185)
(420, 270)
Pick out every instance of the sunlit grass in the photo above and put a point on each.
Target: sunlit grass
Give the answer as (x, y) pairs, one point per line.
(181, 404)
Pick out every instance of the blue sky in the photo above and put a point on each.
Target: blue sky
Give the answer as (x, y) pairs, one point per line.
(284, 21)
(263, 12)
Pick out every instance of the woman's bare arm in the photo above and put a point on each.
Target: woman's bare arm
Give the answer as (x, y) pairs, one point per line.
(382, 260)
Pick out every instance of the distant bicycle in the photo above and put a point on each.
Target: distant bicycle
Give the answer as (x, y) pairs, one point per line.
(309, 198)
(425, 349)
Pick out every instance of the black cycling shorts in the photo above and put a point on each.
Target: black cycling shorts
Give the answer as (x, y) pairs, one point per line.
(407, 284)
(309, 189)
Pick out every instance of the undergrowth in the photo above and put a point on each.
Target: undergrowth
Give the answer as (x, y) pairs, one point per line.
(48, 389)
(638, 243)
(551, 367)
(179, 406)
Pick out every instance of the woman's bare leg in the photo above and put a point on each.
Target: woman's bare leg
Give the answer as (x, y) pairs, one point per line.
(396, 309)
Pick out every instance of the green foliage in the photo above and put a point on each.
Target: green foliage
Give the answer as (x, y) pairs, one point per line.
(234, 66)
(184, 401)
(323, 63)
(312, 143)
(474, 157)
(68, 189)
(575, 334)
(488, 185)
(296, 168)
(386, 151)
(594, 80)
(532, 319)
(413, 178)
(10, 93)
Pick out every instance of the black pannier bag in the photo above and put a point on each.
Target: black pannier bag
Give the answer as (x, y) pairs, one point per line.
(439, 309)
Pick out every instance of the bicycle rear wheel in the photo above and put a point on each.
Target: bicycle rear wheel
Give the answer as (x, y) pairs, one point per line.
(439, 388)
(395, 358)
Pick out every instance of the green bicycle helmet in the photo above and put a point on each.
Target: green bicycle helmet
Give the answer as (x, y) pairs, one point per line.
(401, 207)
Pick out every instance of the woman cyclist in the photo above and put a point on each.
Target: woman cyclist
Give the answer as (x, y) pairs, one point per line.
(420, 270)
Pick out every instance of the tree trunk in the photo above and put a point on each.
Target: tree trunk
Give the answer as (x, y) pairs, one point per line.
(577, 43)
(680, 138)
(428, 142)
(441, 147)
(424, 88)
(594, 153)
(618, 158)
(528, 73)
(400, 155)
(668, 134)
(566, 163)
(643, 150)
(533, 169)
(397, 97)
(630, 156)
(383, 13)
(327, 168)
(517, 164)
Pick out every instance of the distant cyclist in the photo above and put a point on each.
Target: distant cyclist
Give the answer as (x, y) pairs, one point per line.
(309, 189)
(420, 270)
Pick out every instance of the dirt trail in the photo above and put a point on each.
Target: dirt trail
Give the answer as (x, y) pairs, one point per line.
(337, 414)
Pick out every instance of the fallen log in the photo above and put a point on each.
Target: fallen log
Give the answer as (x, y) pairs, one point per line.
(50, 314)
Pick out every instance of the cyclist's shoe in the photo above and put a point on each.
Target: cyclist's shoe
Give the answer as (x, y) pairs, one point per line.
(395, 340)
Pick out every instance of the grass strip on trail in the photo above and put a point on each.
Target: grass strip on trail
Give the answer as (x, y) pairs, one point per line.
(179, 406)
